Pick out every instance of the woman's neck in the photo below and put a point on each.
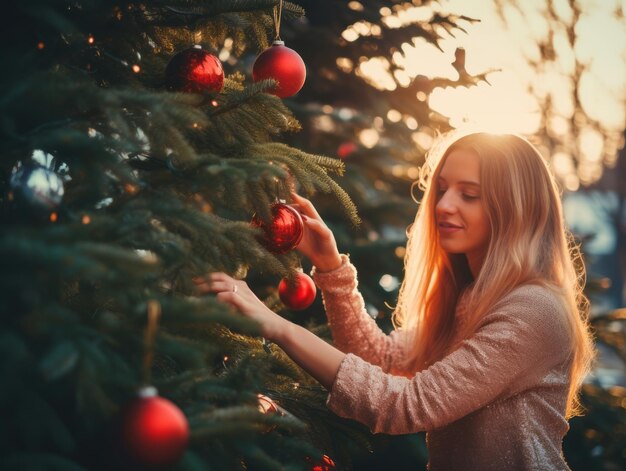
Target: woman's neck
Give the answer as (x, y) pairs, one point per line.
(475, 263)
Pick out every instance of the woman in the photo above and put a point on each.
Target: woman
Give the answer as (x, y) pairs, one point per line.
(492, 342)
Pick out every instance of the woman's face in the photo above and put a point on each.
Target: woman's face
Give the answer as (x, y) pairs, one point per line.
(461, 217)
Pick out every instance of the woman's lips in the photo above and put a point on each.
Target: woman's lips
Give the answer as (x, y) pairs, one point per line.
(448, 228)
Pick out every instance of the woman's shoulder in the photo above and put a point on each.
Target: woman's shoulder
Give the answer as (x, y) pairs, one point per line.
(534, 293)
(535, 315)
(533, 303)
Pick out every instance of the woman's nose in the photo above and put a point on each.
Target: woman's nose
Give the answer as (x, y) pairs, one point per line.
(446, 203)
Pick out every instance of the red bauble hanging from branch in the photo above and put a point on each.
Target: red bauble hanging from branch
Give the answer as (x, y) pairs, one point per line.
(346, 149)
(154, 432)
(326, 464)
(282, 64)
(194, 70)
(298, 295)
(266, 405)
(285, 230)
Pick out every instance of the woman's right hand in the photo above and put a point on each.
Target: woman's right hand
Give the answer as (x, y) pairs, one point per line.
(318, 242)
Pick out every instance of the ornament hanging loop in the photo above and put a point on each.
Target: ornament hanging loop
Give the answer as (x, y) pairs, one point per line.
(154, 313)
(278, 13)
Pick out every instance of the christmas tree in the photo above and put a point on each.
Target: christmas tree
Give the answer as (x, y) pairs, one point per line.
(134, 161)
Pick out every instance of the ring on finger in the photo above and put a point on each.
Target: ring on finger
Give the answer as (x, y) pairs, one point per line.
(234, 288)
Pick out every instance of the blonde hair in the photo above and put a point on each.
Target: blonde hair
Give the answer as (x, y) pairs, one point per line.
(529, 244)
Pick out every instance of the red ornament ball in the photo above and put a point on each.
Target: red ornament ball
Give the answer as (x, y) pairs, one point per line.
(266, 405)
(326, 465)
(194, 70)
(282, 64)
(346, 149)
(154, 431)
(299, 295)
(285, 230)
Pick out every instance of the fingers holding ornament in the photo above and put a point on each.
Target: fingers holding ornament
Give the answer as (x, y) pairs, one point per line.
(317, 226)
(305, 206)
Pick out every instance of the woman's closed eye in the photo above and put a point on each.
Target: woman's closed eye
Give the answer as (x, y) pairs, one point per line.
(465, 196)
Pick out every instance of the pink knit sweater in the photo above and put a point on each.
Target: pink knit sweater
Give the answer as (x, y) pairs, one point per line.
(496, 403)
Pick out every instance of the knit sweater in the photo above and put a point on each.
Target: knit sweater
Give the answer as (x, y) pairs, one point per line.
(497, 402)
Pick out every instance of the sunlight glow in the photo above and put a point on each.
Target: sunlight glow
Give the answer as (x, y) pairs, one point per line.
(562, 164)
(389, 282)
(350, 34)
(394, 116)
(369, 137)
(376, 72)
(344, 64)
(516, 92)
(495, 109)
(425, 59)
(422, 139)
(404, 16)
(411, 122)
(324, 123)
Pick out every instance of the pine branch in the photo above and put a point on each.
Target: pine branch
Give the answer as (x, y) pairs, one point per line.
(311, 171)
(184, 12)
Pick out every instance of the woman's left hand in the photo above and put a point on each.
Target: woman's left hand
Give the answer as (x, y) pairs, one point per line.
(238, 294)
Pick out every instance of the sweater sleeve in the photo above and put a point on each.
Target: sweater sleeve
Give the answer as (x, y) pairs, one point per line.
(352, 328)
(513, 348)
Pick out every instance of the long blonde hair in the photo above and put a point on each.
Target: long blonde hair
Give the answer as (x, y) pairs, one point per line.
(529, 244)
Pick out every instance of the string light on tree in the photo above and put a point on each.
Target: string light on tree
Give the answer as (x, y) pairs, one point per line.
(280, 63)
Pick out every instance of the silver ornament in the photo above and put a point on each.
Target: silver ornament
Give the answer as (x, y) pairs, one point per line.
(37, 185)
